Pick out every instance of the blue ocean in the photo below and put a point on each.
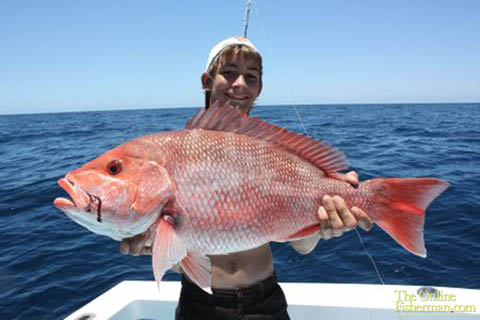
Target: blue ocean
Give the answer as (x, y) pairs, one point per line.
(50, 266)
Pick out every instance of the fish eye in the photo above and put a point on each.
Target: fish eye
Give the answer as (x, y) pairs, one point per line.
(114, 167)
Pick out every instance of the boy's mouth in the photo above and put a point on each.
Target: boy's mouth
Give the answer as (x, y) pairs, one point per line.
(233, 97)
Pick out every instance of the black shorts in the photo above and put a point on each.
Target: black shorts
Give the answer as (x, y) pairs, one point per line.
(262, 301)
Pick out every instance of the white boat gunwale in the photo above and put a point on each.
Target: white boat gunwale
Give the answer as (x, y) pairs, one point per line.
(142, 299)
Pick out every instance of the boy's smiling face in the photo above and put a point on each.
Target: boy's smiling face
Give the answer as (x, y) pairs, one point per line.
(238, 81)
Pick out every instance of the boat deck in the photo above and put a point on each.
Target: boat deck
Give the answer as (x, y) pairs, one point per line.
(142, 300)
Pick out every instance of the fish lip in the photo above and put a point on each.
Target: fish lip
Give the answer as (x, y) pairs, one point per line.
(79, 198)
(69, 187)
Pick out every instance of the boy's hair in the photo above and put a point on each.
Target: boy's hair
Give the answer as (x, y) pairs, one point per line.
(228, 54)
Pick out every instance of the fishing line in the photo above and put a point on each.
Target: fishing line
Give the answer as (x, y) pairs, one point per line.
(262, 29)
(369, 255)
(272, 58)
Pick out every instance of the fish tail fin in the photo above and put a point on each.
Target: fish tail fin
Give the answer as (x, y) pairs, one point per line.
(400, 205)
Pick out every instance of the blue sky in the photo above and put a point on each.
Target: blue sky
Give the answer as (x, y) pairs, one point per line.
(100, 55)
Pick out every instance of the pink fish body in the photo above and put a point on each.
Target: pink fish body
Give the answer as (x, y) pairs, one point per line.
(229, 183)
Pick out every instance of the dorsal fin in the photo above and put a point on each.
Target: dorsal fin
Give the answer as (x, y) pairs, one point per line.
(230, 119)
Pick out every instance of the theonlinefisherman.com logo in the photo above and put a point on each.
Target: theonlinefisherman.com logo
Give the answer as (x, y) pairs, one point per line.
(429, 299)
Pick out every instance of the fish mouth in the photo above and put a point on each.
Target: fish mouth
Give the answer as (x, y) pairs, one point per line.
(86, 209)
(81, 200)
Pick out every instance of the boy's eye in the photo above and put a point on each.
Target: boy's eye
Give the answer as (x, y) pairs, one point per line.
(251, 78)
(228, 73)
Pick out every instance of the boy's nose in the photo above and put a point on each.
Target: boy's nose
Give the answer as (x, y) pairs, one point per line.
(239, 82)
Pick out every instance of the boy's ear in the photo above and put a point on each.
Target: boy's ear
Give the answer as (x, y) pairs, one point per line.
(206, 82)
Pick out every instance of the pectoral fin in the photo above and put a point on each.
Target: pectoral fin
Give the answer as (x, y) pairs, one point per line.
(168, 248)
(199, 269)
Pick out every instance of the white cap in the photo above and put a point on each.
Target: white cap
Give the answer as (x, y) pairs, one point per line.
(219, 47)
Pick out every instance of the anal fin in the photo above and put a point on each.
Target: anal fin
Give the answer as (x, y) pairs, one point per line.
(199, 269)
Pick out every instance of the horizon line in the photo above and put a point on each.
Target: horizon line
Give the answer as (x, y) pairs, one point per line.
(262, 105)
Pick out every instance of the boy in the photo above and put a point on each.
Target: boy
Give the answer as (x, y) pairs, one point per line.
(243, 283)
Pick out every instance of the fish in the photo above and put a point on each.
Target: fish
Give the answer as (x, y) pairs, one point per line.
(227, 183)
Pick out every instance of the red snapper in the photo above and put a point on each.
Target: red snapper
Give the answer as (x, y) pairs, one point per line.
(229, 183)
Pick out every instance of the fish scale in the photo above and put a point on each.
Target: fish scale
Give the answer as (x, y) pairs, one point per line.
(272, 199)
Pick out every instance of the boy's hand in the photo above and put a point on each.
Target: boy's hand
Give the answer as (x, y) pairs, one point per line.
(137, 245)
(335, 217)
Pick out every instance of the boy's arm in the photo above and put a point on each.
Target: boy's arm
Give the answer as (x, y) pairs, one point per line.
(334, 216)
